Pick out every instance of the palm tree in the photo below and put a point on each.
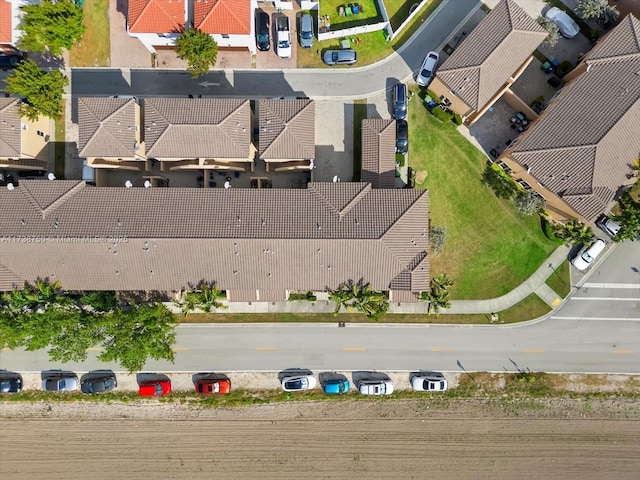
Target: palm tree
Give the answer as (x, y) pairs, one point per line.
(360, 297)
(204, 298)
(442, 282)
(438, 295)
(574, 232)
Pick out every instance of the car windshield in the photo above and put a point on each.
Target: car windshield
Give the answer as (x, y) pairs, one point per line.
(5, 385)
(283, 44)
(263, 37)
(401, 105)
(294, 384)
(307, 35)
(426, 73)
(158, 389)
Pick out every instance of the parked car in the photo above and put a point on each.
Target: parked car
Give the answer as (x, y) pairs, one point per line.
(96, 384)
(345, 56)
(306, 31)
(608, 226)
(299, 382)
(154, 388)
(428, 68)
(402, 136)
(11, 60)
(10, 382)
(60, 382)
(586, 258)
(283, 37)
(567, 25)
(210, 386)
(375, 387)
(400, 101)
(336, 386)
(429, 382)
(262, 31)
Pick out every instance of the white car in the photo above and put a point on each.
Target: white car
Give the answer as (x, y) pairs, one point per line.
(60, 382)
(429, 382)
(299, 382)
(428, 69)
(586, 258)
(567, 25)
(375, 387)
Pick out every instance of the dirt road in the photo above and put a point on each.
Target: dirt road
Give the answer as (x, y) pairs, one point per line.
(338, 440)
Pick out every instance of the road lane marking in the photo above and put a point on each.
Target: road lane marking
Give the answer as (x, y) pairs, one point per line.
(180, 349)
(267, 348)
(634, 319)
(623, 352)
(611, 285)
(354, 349)
(614, 299)
(532, 350)
(442, 350)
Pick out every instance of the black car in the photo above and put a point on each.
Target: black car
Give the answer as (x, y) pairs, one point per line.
(402, 136)
(10, 382)
(400, 101)
(96, 382)
(262, 31)
(11, 60)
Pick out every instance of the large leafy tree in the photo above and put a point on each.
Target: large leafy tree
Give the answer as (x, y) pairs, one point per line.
(205, 297)
(598, 10)
(199, 49)
(51, 25)
(360, 297)
(41, 90)
(629, 218)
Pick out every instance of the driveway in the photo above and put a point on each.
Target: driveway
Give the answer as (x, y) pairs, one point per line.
(334, 141)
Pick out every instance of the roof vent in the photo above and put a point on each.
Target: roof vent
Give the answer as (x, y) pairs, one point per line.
(51, 176)
(128, 184)
(10, 186)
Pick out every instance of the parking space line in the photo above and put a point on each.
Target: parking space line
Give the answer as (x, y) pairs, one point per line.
(180, 349)
(94, 349)
(442, 350)
(354, 349)
(267, 348)
(624, 352)
(532, 350)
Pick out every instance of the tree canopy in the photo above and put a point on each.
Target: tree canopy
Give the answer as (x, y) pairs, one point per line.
(629, 218)
(41, 90)
(360, 297)
(199, 49)
(39, 317)
(51, 25)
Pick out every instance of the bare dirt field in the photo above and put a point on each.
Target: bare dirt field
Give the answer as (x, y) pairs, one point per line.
(401, 439)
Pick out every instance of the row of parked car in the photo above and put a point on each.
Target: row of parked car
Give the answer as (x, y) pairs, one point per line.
(210, 383)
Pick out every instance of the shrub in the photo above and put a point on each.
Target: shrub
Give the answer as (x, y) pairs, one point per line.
(552, 29)
(497, 181)
(528, 203)
(457, 119)
(304, 296)
(437, 237)
(440, 114)
(547, 228)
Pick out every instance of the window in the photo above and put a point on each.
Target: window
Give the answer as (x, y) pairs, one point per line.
(40, 133)
(25, 126)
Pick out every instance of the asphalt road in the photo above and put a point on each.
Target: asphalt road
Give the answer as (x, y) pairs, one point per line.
(340, 82)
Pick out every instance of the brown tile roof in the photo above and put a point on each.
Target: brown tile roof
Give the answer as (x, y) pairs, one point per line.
(197, 127)
(107, 127)
(223, 16)
(156, 16)
(5, 22)
(581, 148)
(379, 152)
(244, 239)
(287, 129)
(493, 50)
(10, 128)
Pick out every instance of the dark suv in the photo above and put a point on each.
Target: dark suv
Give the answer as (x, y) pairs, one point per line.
(400, 101)
(262, 31)
(402, 137)
(10, 60)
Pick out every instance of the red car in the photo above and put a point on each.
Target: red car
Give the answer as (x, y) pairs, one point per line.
(210, 386)
(155, 388)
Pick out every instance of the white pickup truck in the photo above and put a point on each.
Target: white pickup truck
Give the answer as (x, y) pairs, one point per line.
(283, 37)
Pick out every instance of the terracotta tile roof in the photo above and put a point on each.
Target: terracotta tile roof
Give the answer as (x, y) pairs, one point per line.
(156, 16)
(197, 127)
(493, 50)
(5, 22)
(581, 148)
(107, 127)
(10, 128)
(244, 239)
(379, 152)
(222, 16)
(287, 129)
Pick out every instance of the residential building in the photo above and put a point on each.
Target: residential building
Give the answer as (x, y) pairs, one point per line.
(109, 133)
(578, 155)
(157, 23)
(257, 245)
(199, 133)
(379, 152)
(24, 144)
(10, 13)
(287, 136)
(488, 62)
(229, 22)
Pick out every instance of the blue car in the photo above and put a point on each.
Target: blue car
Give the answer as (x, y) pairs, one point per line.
(336, 386)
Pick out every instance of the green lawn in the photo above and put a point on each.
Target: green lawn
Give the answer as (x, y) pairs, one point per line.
(59, 146)
(371, 47)
(490, 248)
(398, 11)
(95, 49)
(359, 114)
(369, 14)
(559, 280)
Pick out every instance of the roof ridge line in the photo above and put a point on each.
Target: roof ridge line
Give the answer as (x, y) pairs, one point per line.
(63, 198)
(355, 200)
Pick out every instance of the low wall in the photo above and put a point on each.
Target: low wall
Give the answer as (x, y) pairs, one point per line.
(347, 32)
(394, 33)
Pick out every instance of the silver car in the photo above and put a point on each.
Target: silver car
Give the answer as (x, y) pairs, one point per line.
(60, 382)
(567, 25)
(375, 387)
(299, 382)
(429, 382)
(346, 56)
(428, 69)
(306, 31)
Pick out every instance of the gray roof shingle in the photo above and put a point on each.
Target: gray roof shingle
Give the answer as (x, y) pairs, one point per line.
(581, 148)
(197, 128)
(107, 127)
(490, 54)
(10, 128)
(379, 152)
(287, 129)
(243, 239)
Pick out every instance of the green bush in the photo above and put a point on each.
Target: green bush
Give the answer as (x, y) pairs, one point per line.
(434, 96)
(440, 114)
(548, 232)
(457, 119)
(400, 160)
(304, 296)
